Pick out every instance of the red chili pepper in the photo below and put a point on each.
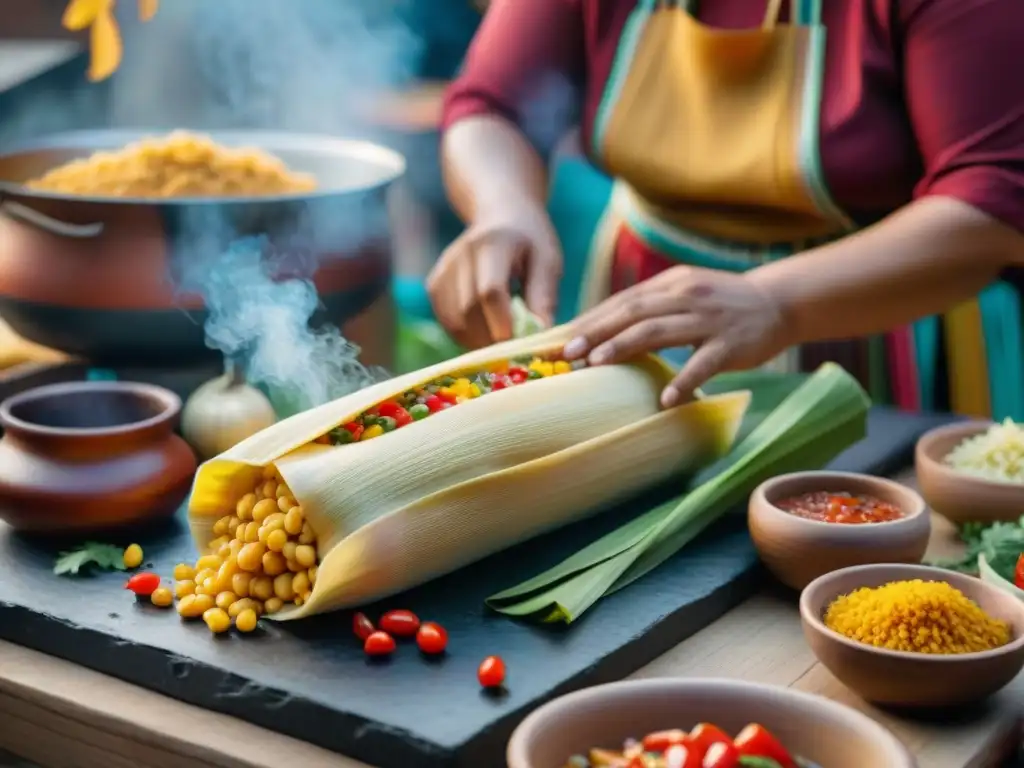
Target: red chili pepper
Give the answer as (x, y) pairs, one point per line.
(143, 584)
(518, 375)
(356, 429)
(1018, 573)
(721, 754)
(491, 673)
(659, 741)
(704, 735)
(379, 644)
(362, 626)
(432, 638)
(400, 623)
(756, 741)
(433, 403)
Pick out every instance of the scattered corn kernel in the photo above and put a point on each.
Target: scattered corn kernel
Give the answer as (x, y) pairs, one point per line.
(162, 597)
(246, 620)
(132, 556)
(217, 620)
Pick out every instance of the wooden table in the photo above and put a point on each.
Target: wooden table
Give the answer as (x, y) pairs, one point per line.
(60, 715)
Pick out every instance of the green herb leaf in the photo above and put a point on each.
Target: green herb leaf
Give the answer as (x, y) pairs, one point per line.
(103, 556)
(999, 542)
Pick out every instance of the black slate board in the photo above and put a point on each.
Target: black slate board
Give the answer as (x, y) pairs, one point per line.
(311, 680)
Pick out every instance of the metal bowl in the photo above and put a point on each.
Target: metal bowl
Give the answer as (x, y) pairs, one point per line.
(119, 279)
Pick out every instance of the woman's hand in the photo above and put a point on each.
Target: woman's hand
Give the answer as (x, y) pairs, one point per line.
(730, 320)
(470, 286)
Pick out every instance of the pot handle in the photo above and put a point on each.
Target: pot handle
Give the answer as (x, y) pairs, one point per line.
(27, 215)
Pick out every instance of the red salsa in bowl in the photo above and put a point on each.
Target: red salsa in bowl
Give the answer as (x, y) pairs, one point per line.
(840, 507)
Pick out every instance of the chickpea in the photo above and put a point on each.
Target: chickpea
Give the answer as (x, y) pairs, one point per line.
(162, 597)
(245, 604)
(284, 503)
(245, 506)
(246, 621)
(225, 599)
(250, 556)
(263, 509)
(240, 584)
(184, 587)
(305, 555)
(183, 571)
(283, 587)
(132, 556)
(276, 541)
(208, 562)
(273, 605)
(262, 587)
(293, 521)
(300, 583)
(274, 564)
(217, 620)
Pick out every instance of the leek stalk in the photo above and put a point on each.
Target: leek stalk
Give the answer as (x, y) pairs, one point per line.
(818, 420)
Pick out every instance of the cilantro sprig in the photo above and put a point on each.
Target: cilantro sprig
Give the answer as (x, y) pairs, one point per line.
(88, 556)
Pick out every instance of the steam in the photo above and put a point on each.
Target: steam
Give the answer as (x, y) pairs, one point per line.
(309, 66)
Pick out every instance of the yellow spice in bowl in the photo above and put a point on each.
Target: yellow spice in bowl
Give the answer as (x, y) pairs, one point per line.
(917, 616)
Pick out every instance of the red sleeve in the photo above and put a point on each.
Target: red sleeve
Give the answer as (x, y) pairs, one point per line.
(526, 54)
(965, 95)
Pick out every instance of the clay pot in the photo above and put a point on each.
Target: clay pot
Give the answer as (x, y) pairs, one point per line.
(957, 496)
(901, 678)
(822, 731)
(84, 456)
(797, 550)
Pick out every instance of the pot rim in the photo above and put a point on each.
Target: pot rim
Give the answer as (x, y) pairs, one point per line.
(392, 164)
(170, 402)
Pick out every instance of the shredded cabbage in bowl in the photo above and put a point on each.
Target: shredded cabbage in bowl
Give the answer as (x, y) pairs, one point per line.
(995, 454)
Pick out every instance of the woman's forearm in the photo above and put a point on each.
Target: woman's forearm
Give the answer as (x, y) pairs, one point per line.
(920, 261)
(488, 164)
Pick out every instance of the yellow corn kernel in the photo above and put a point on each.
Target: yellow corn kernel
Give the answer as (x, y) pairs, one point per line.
(246, 621)
(217, 620)
(263, 509)
(132, 556)
(375, 430)
(474, 390)
(162, 597)
(305, 555)
(211, 562)
(225, 599)
(273, 605)
(444, 392)
(184, 587)
(274, 563)
(245, 604)
(202, 574)
(203, 603)
(261, 588)
(561, 366)
(240, 584)
(293, 521)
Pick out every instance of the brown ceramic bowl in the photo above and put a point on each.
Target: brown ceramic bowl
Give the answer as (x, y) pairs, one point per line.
(83, 456)
(814, 728)
(903, 679)
(959, 497)
(797, 551)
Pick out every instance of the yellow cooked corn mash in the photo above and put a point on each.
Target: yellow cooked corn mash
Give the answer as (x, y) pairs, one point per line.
(917, 616)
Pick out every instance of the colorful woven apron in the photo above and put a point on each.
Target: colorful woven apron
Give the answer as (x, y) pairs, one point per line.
(711, 136)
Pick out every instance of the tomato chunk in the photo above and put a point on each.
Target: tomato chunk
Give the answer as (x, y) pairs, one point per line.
(757, 741)
(704, 735)
(1018, 573)
(721, 754)
(659, 741)
(681, 756)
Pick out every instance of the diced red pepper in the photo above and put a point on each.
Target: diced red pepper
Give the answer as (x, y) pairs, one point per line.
(721, 754)
(756, 741)
(704, 735)
(356, 429)
(395, 411)
(1018, 573)
(499, 382)
(434, 403)
(681, 756)
(518, 375)
(659, 741)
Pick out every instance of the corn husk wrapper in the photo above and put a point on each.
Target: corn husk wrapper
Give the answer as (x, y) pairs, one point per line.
(409, 506)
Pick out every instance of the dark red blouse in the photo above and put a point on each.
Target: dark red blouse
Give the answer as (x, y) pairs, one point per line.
(921, 97)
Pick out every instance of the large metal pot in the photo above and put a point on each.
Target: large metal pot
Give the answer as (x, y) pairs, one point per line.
(102, 277)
